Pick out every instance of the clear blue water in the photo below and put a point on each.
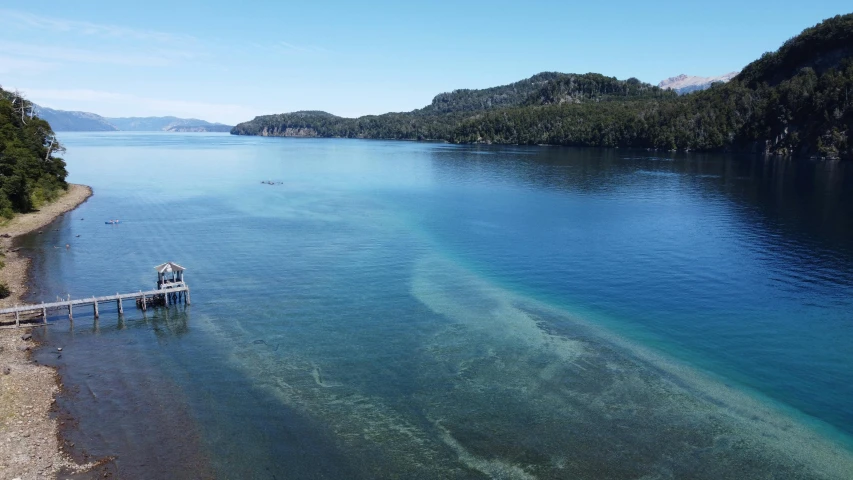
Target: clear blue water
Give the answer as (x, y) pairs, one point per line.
(415, 310)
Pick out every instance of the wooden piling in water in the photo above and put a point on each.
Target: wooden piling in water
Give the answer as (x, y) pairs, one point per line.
(160, 297)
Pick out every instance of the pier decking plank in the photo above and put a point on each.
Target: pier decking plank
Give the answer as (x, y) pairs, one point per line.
(43, 308)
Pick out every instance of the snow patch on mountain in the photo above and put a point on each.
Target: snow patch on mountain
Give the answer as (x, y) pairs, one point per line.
(687, 83)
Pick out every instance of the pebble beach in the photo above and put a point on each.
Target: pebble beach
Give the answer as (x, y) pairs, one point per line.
(29, 446)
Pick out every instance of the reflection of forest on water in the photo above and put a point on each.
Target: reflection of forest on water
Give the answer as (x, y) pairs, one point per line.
(810, 201)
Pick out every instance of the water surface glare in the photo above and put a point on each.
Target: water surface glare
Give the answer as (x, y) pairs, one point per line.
(415, 310)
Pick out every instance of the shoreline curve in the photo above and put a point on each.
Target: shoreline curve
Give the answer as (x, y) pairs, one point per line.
(28, 390)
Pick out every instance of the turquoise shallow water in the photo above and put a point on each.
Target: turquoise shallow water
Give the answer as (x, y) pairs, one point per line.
(411, 310)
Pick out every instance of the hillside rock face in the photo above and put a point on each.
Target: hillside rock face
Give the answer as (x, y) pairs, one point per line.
(685, 83)
(199, 128)
(289, 132)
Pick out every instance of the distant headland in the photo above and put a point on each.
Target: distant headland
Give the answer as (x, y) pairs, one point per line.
(71, 121)
(797, 101)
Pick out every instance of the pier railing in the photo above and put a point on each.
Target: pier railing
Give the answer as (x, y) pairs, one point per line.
(165, 296)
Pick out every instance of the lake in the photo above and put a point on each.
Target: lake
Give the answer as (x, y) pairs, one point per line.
(418, 310)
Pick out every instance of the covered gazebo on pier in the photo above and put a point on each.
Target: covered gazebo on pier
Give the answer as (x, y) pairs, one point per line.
(169, 275)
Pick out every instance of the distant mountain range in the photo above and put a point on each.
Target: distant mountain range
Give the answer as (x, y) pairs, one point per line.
(68, 121)
(62, 121)
(685, 84)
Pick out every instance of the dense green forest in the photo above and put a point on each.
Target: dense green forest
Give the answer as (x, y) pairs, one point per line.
(442, 118)
(795, 101)
(30, 174)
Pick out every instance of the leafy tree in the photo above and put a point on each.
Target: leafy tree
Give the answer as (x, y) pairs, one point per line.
(30, 174)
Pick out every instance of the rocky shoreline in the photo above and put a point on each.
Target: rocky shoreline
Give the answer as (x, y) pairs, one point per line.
(29, 445)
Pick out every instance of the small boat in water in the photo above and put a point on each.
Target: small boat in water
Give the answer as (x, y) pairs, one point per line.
(112, 222)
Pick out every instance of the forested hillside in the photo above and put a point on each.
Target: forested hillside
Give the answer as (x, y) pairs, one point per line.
(795, 101)
(467, 100)
(441, 119)
(30, 174)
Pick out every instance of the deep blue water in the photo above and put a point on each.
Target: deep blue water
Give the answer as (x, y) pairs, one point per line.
(415, 310)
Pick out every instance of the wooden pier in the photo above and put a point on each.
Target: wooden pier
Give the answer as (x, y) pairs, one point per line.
(170, 291)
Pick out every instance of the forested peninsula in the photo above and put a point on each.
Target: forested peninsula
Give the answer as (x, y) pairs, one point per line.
(30, 174)
(795, 101)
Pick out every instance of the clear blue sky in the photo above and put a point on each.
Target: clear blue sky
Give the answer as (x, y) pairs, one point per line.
(230, 60)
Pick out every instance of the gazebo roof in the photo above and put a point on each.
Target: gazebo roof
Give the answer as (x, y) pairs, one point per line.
(169, 267)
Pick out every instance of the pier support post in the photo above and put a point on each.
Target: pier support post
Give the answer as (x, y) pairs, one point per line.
(163, 297)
